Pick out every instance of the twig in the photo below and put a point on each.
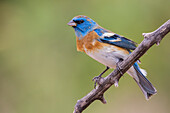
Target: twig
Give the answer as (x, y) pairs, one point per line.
(98, 94)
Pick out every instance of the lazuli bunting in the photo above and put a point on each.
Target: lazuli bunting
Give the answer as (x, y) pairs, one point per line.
(108, 48)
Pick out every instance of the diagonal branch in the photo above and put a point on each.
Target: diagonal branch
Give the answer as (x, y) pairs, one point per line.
(97, 94)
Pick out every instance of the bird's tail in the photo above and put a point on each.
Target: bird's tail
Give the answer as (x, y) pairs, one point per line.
(146, 87)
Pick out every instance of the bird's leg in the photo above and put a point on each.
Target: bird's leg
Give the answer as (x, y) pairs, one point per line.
(97, 78)
(118, 67)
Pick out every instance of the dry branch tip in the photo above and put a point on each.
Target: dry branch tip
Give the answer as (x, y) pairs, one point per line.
(102, 99)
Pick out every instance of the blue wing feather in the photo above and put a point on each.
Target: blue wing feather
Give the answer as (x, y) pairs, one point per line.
(100, 31)
(115, 39)
(119, 41)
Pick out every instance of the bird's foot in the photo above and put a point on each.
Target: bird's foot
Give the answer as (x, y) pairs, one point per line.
(97, 80)
(118, 67)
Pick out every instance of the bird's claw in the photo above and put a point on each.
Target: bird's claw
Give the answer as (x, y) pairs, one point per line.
(120, 70)
(118, 67)
(96, 80)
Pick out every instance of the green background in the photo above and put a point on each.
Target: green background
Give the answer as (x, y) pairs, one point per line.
(41, 71)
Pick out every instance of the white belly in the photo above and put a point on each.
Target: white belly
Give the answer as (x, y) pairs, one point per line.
(109, 57)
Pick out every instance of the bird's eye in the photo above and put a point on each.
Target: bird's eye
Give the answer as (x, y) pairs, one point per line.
(78, 21)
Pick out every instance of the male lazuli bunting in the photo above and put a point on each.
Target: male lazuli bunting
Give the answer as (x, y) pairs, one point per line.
(108, 48)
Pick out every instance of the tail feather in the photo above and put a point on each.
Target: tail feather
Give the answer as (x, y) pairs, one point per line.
(146, 87)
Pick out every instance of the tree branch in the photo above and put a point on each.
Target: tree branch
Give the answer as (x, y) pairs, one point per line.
(104, 83)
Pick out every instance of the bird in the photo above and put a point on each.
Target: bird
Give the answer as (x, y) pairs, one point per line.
(109, 49)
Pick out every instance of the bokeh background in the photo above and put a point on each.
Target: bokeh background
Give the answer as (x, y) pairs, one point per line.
(41, 71)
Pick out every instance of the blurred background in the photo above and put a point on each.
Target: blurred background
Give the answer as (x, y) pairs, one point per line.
(41, 71)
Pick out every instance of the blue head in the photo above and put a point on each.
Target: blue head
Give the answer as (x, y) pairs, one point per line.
(82, 25)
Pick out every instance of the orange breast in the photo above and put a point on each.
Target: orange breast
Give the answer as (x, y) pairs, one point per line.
(89, 42)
